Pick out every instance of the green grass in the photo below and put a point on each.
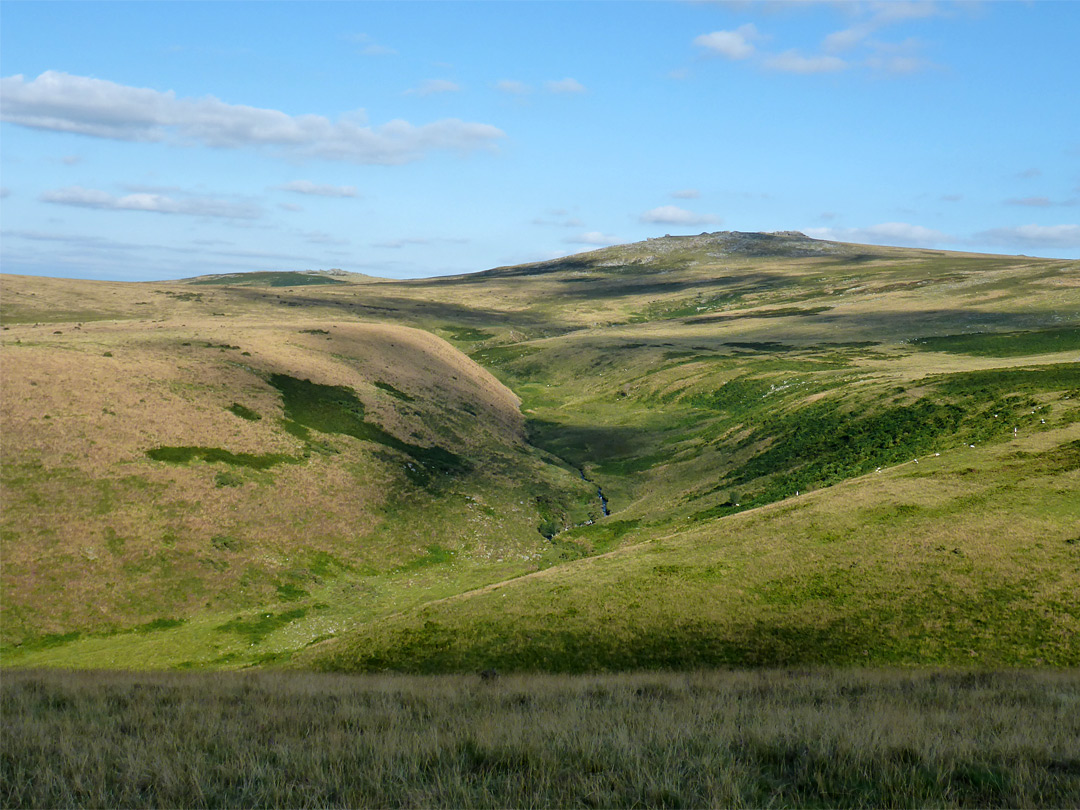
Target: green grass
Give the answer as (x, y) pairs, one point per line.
(244, 412)
(435, 556)
(1004, 344)
(466, 334)
(211, 455)
(394, 392)
(337, 409)
(270, 279)
(849, 576)
(256, 629)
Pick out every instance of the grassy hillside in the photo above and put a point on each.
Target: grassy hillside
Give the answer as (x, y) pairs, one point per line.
(191, 488)
(811, 452)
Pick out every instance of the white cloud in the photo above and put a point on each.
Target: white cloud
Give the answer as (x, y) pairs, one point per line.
(103, 109)
(307, 187)
(887, 233)
(845, 40)
(290, 207)
(686, 194)
(431, 87)
(513, 87)
(673, 215)
(565, 86)
(884, 13)
(1037, 236)
(156, 203)
(592, 238)
(793, 62)
(731, 44)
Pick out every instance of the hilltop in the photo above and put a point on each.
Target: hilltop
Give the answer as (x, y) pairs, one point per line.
(812, 452)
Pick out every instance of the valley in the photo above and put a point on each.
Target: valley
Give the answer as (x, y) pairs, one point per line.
(725, 450)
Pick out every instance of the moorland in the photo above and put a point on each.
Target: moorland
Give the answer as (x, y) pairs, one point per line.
(728, 451)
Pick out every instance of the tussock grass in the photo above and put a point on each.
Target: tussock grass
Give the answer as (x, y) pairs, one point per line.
(858, 738)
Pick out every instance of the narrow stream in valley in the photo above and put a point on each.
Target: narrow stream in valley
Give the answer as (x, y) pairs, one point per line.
(599, 493)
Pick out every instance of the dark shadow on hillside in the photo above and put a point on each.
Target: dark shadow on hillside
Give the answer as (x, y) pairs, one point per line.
(898, 324)
(593, 287)
(581, 445)
(406, 310)
(681, 646)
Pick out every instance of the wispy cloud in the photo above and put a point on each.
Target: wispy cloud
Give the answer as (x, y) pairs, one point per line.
(1033, 236)
(887, 233)
(593, 238)
(368, 46)
(1034, 202)
(882, 14)
(686, 194)
(155, 203)
(411, 241)
(559, 219)
(513, 87)
(431, 87)
(1040, 202)
(5, 192)
(735, 44)
(792, 61)
(858, 46)
(564, 86)
(673, 215)
(1030, 173)
(98, 108)
(322, 238)
(307, 187)
(898, 58)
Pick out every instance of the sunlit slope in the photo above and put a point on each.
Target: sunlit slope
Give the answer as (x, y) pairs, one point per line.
(157, 471)
(968, 558)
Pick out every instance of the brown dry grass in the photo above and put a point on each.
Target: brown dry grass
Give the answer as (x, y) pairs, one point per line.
(86, 513)
(858, 738)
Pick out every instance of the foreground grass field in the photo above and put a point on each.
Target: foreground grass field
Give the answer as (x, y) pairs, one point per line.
(855, 738)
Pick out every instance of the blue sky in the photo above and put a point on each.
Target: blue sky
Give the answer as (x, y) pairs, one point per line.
(147, 140)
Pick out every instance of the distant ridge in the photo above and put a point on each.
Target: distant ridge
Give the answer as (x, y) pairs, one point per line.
(791, 244)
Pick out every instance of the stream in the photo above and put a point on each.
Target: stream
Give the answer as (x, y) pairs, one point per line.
(599, 492)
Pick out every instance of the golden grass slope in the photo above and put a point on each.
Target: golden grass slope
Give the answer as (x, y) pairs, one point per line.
(98, 536)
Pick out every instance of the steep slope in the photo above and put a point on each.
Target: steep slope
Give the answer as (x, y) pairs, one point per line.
(157, 472)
